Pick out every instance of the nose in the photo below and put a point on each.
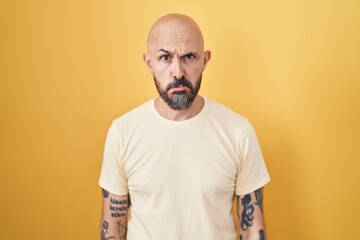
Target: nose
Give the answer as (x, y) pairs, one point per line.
(177, 70)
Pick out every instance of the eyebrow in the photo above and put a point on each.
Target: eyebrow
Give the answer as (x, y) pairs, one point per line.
(168, 52)
(190, 53)
(163, 50)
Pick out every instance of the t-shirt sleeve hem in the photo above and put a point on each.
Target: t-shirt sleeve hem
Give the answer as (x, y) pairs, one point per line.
(113, 190)
(240, 191)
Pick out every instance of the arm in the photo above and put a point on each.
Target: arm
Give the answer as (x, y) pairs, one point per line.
(251, 217)
(114, 216)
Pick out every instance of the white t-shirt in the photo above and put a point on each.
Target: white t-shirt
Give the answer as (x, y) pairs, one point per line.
(182, 175)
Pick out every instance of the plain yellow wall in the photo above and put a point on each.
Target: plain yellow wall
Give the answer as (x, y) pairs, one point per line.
(68, 68)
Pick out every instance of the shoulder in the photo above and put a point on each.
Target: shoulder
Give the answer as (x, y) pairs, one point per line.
(221, 113)
(135, 115)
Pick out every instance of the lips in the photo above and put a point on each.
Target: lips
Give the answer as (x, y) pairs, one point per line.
(180, 88)
(181, 84)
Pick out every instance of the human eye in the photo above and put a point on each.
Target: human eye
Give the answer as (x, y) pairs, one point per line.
(189, 56)
(165, 57)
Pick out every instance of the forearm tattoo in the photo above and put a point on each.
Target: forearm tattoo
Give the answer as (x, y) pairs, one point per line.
(248, 209)
(105, 193)
(104, 232)
(262, 234)
(247, 212)
(259, 198)
(118, 210)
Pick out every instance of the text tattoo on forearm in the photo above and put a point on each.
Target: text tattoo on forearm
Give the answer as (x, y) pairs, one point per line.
(118, 208)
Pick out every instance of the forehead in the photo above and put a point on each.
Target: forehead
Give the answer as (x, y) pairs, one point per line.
(175, 35)
(175, 42)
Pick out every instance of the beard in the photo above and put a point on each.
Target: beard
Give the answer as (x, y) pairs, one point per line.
(181, 100)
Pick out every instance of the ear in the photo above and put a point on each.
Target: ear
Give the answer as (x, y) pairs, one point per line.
(207, 57)
(146, 59)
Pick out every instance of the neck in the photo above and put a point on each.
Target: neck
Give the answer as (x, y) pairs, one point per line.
(179, 115)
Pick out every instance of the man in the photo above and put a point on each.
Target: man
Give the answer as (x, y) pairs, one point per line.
(175, 164)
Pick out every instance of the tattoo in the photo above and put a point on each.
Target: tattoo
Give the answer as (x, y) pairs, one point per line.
(247, 213)
(262, 234)
(122, 230)
(104, 231)
(118, 208)
(259, 198)
(105, 193)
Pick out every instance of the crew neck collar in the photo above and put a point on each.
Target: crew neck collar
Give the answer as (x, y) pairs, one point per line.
(179, 122)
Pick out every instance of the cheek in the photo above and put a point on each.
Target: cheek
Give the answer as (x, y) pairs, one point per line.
(160, 70)
(195, 66)
(161, 75)
(194, 71)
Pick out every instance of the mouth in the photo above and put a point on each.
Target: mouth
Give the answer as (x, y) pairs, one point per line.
(179, 88)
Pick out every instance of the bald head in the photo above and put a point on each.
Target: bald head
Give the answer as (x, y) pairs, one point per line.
(174, 27)
(177, 59)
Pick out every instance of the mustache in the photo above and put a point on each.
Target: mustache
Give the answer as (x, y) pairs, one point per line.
(179, 82)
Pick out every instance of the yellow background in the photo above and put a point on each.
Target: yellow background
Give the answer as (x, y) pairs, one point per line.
(68, 68)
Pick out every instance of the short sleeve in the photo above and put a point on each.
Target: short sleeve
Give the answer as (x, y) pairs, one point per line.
(113, 177)
(252, 172)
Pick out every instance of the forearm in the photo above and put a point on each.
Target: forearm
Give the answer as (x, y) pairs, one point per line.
(253, 234)
(111, 230)
(251, 216)
(114, 217)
